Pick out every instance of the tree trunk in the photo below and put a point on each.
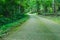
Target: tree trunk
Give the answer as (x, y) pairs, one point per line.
(38, 6)
(54, 7)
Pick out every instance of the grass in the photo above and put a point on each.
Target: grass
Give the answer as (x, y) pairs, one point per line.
(6, 28)
(54, 18)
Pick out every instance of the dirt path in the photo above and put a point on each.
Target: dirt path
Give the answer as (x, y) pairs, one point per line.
(37, 28)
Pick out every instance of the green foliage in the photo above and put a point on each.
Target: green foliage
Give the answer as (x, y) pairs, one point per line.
(6, 28)
(11, 10)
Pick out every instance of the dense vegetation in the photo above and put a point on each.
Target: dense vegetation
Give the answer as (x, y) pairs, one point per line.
(10, 11)
(12, 14)
(45, 7)
(14, 10)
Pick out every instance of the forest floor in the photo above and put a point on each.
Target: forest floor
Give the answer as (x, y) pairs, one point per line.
(36, 28)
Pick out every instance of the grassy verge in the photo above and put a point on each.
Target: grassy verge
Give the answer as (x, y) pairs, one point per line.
(54, 18)
(6, 28)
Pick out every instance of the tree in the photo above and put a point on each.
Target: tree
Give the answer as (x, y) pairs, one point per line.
(38, 6)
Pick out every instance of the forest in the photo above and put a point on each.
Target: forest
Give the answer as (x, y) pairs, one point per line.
(14, 12)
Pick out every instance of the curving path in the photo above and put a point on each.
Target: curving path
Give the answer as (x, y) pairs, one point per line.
(37, 28)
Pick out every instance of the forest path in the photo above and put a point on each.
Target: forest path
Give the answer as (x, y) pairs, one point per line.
(37, 28)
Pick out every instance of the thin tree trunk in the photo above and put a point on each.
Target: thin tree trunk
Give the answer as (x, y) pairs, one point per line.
(38, 6)
(54, 7)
